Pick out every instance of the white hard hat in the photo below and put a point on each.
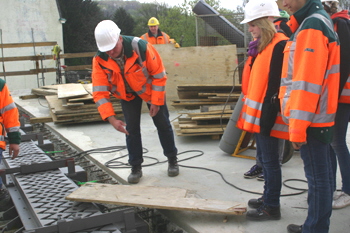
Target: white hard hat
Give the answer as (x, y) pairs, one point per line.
(256, 9)
(106, 35)
(329, 1)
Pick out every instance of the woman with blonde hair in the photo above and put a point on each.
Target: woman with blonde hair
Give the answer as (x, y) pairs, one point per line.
(260, 112)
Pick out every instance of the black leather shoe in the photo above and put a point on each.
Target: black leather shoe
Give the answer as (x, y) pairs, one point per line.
(173, 167)
(263, 213)
(293, 228)
(135, 175)
(255, 203)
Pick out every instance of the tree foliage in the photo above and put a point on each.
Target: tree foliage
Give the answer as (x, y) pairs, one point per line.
(124, 21)
(83, 16)
(78, 32)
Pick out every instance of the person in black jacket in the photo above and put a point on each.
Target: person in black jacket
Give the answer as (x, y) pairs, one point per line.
(339, 148)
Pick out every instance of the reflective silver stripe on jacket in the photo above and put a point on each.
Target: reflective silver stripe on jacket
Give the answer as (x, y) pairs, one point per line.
(7, 108)
(13, 129)
(254, 105)
(102, 101)
(2, 138)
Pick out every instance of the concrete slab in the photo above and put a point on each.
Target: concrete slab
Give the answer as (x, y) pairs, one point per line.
(201, 180)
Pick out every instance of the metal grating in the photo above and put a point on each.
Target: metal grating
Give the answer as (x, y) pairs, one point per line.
(40, 200)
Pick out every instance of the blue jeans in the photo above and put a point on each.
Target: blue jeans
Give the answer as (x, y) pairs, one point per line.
(318, 171)
(267, 152)
(1, 150)
(280, 152)
(132, 115)
(340, 150)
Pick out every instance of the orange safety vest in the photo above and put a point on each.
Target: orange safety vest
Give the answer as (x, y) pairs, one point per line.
(310, 77)
(162, 38)
(249, 119)
(9, 122)
(144, 72)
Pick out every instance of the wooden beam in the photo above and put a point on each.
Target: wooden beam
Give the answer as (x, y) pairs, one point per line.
(48, 57)
(35, 120)
(21, 45)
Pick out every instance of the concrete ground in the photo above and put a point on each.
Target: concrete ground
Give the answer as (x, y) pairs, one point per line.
(200, 183)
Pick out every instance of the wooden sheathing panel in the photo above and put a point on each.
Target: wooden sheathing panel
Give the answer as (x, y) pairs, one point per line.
(152, 197)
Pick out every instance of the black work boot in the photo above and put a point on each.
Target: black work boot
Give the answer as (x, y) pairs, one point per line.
(293, 228)
(264, 212)
(173, 167)
(255, 203)
(135, 175)
(5, 199)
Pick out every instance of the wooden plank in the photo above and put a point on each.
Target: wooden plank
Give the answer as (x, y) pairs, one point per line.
(34, 120)
(193, 126)
(82, 98)
(205, 108)
(71, 90)
(152, 197)
(80, 67)
(209, 113)
(88, 88)
(48, 57)
(41, 91)
(203, 130)
(27, 97)
(211, 117)
(31, 44)
(65, 103)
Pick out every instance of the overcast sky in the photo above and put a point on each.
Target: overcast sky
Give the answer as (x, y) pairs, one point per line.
(228, 4)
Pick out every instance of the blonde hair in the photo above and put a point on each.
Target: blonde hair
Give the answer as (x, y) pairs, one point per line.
(268, 31)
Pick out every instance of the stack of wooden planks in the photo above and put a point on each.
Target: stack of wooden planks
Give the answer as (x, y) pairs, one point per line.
(193, 96)
(73, 103)
(213, 114)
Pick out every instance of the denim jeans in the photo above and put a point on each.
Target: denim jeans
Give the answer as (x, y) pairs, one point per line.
(1, 150)
(269, 157)
(132, 115)
(280, 152)
(340, 149)
(318, 171)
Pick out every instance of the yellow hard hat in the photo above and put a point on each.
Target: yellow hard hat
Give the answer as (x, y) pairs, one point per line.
(153, 22)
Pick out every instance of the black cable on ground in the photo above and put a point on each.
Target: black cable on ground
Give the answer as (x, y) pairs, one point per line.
(116, 164)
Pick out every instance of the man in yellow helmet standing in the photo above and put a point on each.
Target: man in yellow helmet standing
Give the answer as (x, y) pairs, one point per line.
(154, 34)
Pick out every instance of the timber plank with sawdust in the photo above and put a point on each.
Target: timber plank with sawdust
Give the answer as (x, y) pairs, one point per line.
(152, 197)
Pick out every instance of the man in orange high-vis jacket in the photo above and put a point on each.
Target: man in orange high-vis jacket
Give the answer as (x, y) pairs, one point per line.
(132, 70)
(340, 150)
(154, 34)
(309, 97)
(10, 126)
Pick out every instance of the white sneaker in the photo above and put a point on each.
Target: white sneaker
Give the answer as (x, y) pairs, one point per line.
(342, 201)
(336, 195)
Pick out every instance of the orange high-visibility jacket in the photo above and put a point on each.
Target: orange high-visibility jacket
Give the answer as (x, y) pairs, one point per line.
(9, 122)
(144, 72)
(255, 100)
(162, 38)
(310, 73)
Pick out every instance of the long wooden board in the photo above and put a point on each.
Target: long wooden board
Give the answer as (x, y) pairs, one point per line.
(152, 197)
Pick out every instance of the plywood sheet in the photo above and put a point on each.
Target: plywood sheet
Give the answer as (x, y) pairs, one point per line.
(71, 90)
(152, 197)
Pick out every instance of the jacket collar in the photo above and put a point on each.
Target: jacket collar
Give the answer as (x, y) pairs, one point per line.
(310, 7)
(341, 14)
(159, 33)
